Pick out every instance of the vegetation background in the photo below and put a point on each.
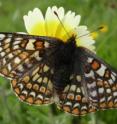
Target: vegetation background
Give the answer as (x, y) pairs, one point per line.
(94, 13)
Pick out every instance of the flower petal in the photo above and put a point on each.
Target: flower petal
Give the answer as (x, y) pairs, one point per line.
(34, 22)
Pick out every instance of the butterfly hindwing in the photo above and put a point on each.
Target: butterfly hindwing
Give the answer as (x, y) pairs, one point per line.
(73, 99)
(35, 87)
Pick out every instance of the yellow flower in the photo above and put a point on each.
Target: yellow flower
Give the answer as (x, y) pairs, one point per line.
(49, 25)
(94, 35)
(104, 29)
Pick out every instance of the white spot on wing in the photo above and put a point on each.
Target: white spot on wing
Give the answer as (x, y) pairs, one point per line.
(83, 108)
(36, 55)
(35, 77)
(2, 54)
(17, 60)
(40, 96)
(109, 98)
(16, 47)
(7, 40)
(1, 49)
(113, 77)
(78, 90)
(110, 81)
(101, 90)
(10, 55)
(93, 93)
(30, 45)
(108, 90)
(68, 103)
(16, 42)
(76, 105)
(9, 67)
(101, 70)
(45, 80)
(91, 85)
(46, 44)
(90, 74)
(78, 77)
(21, 86)
(32, 94)
(73, 87)
(89, 60)
(2, 36)
(102, 99)
(45, 68)
(66, 88)
(24, 92)
(115, 94)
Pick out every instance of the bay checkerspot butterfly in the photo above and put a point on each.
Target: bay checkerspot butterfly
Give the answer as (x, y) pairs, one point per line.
(44, 70)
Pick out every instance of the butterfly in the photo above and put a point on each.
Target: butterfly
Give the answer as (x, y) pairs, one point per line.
(45, 70)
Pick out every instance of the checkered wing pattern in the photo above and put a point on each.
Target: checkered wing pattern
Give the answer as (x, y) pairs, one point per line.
(22, 59)
(93, 85)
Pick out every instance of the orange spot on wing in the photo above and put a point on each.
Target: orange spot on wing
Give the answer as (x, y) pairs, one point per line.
(38, 101)
(115, 104)
(92, 109)
(102, 105)
(5, 71)
(110, 104)
(14, 82)
(83, 112)
(95, 65)
(36, 87)
(71, 97)
(23, 55)
(26, 79)
(99, 83)
(75, 111)
(78, 97)
(42, 89)
(22, 97)
(29, 85)
(39, 45)
(30, 100)
(114, 88)
(17, 90)
(106, 84)
(66, 108)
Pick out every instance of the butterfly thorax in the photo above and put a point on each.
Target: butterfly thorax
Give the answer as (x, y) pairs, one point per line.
(63, 64)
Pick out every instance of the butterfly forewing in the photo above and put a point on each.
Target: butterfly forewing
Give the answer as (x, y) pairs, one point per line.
(25, 60)
(101, 81)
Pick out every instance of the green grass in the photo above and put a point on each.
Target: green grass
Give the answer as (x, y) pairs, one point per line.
(94, 14)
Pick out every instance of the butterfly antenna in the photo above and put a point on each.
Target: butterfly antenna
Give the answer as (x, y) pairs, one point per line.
(98, 29)
(56, 14)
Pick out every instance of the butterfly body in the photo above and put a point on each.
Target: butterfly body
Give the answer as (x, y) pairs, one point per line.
(63, 63)
(42, 69)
